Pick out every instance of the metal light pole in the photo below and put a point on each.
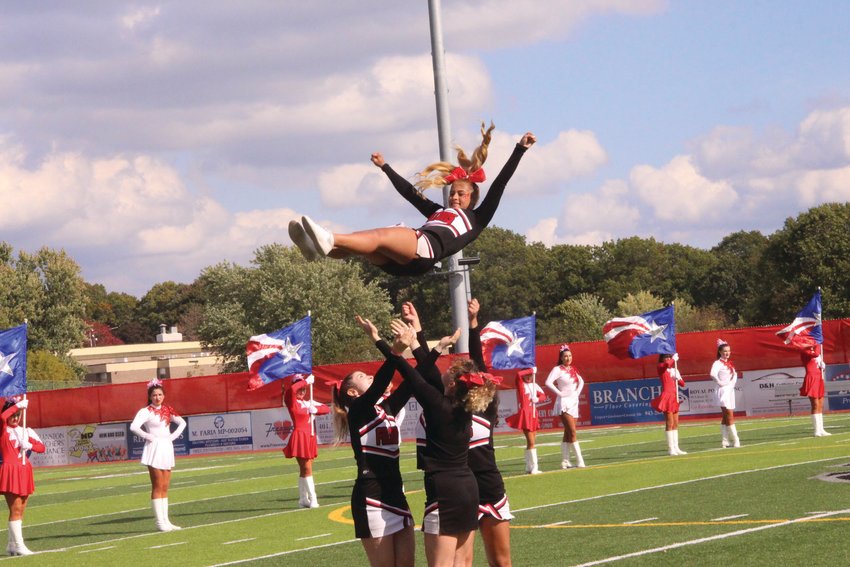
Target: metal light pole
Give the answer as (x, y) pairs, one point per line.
(458, 277)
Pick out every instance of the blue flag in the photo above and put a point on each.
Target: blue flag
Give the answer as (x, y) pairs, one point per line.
(276, 355)
(510, 344)
(806, 329)
(642, 335)
(13, 361)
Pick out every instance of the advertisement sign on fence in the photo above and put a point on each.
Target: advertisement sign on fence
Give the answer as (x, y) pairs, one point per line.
(219, 432)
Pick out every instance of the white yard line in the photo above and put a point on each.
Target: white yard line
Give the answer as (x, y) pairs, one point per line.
(711, 538)
(724, 518)
(98, 549)
(639, 521)
(168, 545)
(312, 537)
(282, 553)
(668, 485)
(239, 541)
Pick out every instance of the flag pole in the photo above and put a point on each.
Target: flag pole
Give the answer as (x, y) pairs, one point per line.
(26, 437)
(312, 418)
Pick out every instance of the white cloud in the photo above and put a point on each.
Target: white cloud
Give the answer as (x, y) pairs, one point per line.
(678, 192)
(590, 218)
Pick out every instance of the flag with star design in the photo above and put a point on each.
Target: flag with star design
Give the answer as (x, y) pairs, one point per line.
(805, 330)
(641, 335)
(273, 356)
(509, 344)
(13, 361)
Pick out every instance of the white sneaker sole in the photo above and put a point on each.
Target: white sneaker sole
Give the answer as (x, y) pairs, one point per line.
(302, 241)
(322, 239)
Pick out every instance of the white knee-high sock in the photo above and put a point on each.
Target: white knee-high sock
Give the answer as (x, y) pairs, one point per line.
(531, 461)
(161, 524)
(733, 436)
(15, 528)
(724, 432)
(165, 518)
(577, 451)
(311, 491)
(565, 456)
(303, 495)
(671, 442)
(676, 441)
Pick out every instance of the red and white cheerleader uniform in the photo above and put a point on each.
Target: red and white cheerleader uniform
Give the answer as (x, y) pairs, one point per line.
(668, 401)
(725, 376)
(153, 424)
(528, 395)
(378, 504)
(16, 470)
(567, 384)
(814, 382)
(302, 442)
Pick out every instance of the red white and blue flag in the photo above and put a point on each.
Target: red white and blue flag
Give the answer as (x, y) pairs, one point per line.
(642, 335)
(509, 344)
(806, 329)
(276, 355)
(13, 361)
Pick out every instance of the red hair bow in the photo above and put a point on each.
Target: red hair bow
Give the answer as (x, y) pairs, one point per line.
(476, 176)
(478, 378)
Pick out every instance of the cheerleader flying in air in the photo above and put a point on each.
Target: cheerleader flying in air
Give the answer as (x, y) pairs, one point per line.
(405, 251)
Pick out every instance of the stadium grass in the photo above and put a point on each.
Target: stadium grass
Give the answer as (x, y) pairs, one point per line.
(760, 504)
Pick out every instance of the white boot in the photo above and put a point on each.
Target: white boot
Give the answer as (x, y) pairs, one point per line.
(311, 491)
(164, 504)
(671, 443)
(724, 431)
(817, 418)
(11, 548)
(17, 537)
(303, 494)
(531, 461)
(676, 443)
(733, 436)
(579, 459)
(565, 456)
(161, 525)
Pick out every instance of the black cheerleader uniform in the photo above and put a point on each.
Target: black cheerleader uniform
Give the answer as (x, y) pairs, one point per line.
(451, 493)
(448, 230)
(378, 504)
(492, 498)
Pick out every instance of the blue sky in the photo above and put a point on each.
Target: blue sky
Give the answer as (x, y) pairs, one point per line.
(152, 140)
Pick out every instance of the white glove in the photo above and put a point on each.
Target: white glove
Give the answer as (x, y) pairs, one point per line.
(310, 379)
(313, 410)
(534, 370)
(821, 363)
(26, 445)
(23, 403)
(676, 356)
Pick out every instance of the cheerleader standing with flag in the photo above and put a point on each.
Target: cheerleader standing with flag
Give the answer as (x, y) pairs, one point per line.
(158, 454)
(725, 376)
(668, 402)
(16, 478)
(528, 395)
(566, 383)
(813, 385)
(382, 518)
(302, 442)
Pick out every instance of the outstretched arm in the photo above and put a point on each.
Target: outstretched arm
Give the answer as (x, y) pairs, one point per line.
(488, 206)
(405, 188)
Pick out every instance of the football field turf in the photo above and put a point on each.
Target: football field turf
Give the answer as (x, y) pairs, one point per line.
(776, 500)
